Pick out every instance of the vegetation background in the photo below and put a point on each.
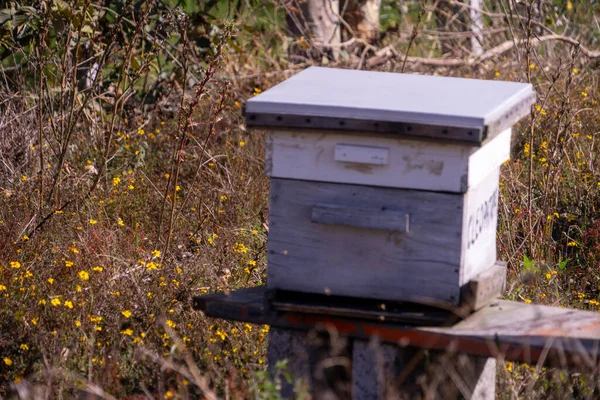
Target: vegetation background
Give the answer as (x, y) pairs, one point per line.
(129, 184)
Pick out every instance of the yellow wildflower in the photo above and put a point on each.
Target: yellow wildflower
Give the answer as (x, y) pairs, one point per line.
(93, 221)
(151, 266)
(7, 361)
(126, 313)
(240, 248)
(171, 323)
(83, 275)
(69, 304)
(127, 332)
(156, 253)
(221, 334)
(55, 302)
(15, 264)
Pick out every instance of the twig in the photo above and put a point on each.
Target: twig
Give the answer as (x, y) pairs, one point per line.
(389, 52)
(184, 124)
(414, 33)
(201, 383)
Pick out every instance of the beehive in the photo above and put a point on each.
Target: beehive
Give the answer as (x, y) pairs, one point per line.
(384, 185)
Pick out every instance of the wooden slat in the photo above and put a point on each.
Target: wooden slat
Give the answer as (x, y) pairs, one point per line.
(340, 95)
(480, 220)
(364, 309)
(485, 287)
(422, 264)
(410, 164)
(386, 220)
(516, 331)
(245, 305)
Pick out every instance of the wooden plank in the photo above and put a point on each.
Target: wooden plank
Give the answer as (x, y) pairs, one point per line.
(409, 164)
(486, 160)
(239, 305)
(318, 124)
(422, 264)
(393, 97)
(370, 218)
(515, 331)
(361, 154)
(480, 220)
(484, 288)
(361, 308)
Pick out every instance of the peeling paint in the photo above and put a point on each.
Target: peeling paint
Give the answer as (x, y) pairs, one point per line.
(268, 154)
(362, 168)
(434, 167)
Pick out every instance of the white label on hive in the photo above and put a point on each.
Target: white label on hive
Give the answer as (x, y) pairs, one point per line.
(361, 154)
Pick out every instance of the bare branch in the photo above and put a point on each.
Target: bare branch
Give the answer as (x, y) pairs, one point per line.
(390, 52)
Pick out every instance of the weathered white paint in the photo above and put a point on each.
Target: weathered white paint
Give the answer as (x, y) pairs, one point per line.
(480, 220)
(361, 154)
(488, 158)
(393, 97)
(410, 164)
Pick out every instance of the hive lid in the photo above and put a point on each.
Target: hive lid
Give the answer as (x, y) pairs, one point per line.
(459, 109)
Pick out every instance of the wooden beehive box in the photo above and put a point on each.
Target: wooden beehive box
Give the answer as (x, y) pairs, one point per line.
(384, 185)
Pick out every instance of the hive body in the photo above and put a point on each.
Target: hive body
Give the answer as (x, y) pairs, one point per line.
(393, 200)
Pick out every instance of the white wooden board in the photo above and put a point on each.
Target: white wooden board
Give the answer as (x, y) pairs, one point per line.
(380, 161)
(381, 96)
(480, 220)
